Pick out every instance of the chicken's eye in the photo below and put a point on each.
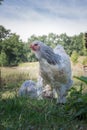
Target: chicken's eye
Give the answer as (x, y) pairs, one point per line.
(36, 44)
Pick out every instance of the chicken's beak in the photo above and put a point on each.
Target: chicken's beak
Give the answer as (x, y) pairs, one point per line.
(31, 46)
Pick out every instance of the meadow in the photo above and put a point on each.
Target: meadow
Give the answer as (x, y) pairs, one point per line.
(23, 113)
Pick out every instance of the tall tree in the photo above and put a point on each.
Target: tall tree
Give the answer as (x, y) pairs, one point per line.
(12, 46)
(4, 33)
(14, 49)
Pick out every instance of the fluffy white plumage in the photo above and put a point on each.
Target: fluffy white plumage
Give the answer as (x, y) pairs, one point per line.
(55, 68)
(28, 88)
(35, 90)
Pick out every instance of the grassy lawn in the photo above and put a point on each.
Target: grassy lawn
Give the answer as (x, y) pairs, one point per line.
(23, 113)
(26, 114)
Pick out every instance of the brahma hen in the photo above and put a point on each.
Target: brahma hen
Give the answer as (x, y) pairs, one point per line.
(55, 68)
(35, 90)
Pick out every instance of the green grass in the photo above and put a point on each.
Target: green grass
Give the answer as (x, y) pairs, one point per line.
(23, 113)
(20, 113)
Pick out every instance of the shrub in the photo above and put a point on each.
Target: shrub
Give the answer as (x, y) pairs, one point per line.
(77, 101)
(84, 61)
(3, 59)
(74, 57)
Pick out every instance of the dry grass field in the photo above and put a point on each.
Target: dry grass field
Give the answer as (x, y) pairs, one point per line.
(31, 71)
(26, 71)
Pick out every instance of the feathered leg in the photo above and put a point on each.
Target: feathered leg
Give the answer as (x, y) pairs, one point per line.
(62, 92)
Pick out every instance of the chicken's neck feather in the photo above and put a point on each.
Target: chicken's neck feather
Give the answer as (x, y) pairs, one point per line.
(48, 54)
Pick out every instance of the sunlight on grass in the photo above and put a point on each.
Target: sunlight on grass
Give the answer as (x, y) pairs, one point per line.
(15, 75)
(8, 94)
(29, 64)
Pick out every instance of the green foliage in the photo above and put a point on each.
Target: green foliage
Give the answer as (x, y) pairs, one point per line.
(12, 47)
(84, 44)
(77, 104)
(3, 59)
(82, 78)
(74, 57)
(18, 51)
(84, 61)
(74, 43)
(4, 33)
(77, 44)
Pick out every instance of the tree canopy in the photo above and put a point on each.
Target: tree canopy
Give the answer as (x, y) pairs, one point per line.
(70, 44)
(12, 47)
(13, 50)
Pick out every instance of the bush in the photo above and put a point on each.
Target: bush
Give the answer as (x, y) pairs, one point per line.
(3, 59)
(74, 57)
(77, 102)
(84, 61)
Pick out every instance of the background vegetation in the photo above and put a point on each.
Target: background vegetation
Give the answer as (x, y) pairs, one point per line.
(14, 51)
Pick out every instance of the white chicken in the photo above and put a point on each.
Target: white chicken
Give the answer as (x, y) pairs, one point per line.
(55, 68)
(33, 89)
